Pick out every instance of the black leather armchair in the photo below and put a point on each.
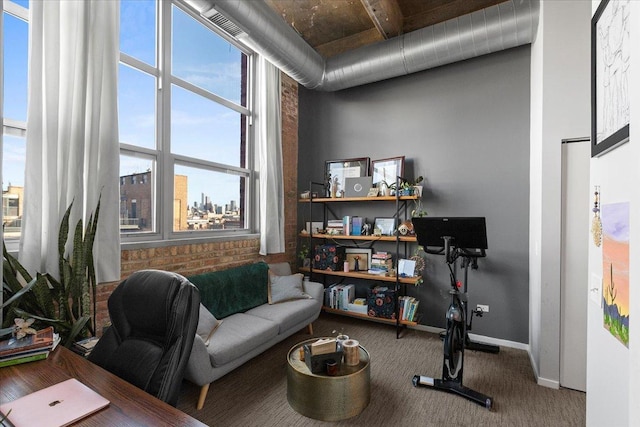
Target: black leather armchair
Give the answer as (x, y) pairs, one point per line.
(154, 316)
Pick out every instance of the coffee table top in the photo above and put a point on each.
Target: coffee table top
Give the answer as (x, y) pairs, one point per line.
(293, 358)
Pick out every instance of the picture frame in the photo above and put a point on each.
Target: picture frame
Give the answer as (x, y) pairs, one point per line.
(344, 168)
(387, 170)
(610, 60)
(364, 260)
(386, 225)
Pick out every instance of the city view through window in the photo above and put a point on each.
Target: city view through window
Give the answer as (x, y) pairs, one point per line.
(206, 108)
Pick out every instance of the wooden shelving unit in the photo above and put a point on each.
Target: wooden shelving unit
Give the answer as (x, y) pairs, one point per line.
(397, 281)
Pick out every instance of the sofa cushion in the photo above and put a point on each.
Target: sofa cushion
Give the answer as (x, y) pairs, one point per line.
(287, 314)
(285, 288)
(234, 290)
(238, 335)
(207, 324)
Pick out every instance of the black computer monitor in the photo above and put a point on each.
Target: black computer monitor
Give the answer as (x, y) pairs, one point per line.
(467, 232)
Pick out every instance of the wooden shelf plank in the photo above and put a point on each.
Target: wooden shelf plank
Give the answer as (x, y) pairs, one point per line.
(366, 317)
(363, 275)
(357, 199)
(364, 238)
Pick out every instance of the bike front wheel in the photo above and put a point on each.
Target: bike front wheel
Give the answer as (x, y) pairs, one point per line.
(453, 350)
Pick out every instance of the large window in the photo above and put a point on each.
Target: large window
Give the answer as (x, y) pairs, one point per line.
(15, 45)
(183, 111)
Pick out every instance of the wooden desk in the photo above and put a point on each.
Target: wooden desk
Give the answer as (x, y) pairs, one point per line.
(129, 405)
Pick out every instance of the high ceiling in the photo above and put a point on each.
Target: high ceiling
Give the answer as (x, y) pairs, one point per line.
(335, 26)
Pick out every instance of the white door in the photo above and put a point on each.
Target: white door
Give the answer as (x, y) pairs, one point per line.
(574, 293)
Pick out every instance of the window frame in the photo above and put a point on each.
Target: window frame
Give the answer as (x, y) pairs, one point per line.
(165, 160)
(10, 126)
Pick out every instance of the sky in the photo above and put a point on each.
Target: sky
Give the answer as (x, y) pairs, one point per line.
(200, 128)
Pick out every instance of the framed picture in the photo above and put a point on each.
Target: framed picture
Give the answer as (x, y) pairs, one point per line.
(363, 256)
(610, 61)
(387, 226)
(387, 170)
(336, 171)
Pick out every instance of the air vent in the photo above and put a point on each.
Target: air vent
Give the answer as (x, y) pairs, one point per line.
(220, 21)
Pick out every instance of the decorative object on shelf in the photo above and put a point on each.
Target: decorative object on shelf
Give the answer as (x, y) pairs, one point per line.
(406, 228)
(387, 226)
(327, 257)
(387, 170)
(337, 170)
(418, 210)
(610, 61)
(359, 259)
(381, 302)
(303, 255)
(596, 223)
(373, 192)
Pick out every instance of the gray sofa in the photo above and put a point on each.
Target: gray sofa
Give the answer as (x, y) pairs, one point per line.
(245, 311)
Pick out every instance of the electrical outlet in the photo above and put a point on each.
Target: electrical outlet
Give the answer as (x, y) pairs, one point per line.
(483, 308)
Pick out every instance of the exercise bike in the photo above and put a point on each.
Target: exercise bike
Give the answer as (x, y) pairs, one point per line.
(454, 233)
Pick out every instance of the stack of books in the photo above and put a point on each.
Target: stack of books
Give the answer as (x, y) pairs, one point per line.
(381, 263)
(408, 306)
(335, 226)
(28, 349)
(84, 347)
(339, 296)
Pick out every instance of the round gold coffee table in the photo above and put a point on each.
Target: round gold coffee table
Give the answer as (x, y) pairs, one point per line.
(328, 398)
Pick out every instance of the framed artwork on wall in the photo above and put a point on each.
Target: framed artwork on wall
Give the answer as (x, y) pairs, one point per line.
(387, 170)
(610, 61)
(336, 171)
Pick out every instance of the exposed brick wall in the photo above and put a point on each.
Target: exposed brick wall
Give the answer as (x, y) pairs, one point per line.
(190, 259)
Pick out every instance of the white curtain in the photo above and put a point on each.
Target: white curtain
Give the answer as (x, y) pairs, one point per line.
(269, 140)
(72, 130)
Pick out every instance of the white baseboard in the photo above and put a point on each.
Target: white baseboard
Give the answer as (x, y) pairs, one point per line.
(544, 382)
(479, 338)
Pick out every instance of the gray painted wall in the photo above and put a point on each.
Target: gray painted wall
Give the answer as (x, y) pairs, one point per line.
(465, 128)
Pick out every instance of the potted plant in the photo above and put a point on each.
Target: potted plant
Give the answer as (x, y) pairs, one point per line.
(66, 303)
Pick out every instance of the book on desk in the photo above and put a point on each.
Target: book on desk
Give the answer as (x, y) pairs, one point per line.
(28, 349)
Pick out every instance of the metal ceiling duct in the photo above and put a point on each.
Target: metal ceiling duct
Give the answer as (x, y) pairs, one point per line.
(503, 26)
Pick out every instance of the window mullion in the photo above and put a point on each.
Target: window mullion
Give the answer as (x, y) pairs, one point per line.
(165, 180)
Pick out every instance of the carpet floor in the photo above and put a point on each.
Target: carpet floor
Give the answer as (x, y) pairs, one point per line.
(255, 394)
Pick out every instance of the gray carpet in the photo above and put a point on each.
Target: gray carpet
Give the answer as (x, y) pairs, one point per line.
(256, 393)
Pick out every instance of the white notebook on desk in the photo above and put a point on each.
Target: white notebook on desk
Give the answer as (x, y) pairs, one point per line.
(55, 406)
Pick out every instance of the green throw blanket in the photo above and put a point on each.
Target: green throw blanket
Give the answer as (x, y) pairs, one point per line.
(235, 290)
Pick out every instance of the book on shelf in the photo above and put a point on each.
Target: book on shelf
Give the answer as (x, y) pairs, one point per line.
(42, 339)
(356, 225)
(340, 296)
(346, 225)
(407, 308)
(381, 255)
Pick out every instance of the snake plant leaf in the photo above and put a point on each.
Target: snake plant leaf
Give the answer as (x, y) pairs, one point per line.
(16, 296)
(63, 234)
(76, 329)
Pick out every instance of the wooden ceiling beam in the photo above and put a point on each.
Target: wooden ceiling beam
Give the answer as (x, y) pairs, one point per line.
(386, 16)
(348, 43)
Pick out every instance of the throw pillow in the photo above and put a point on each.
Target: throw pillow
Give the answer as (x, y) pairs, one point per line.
(285, 288)
(207, 324)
